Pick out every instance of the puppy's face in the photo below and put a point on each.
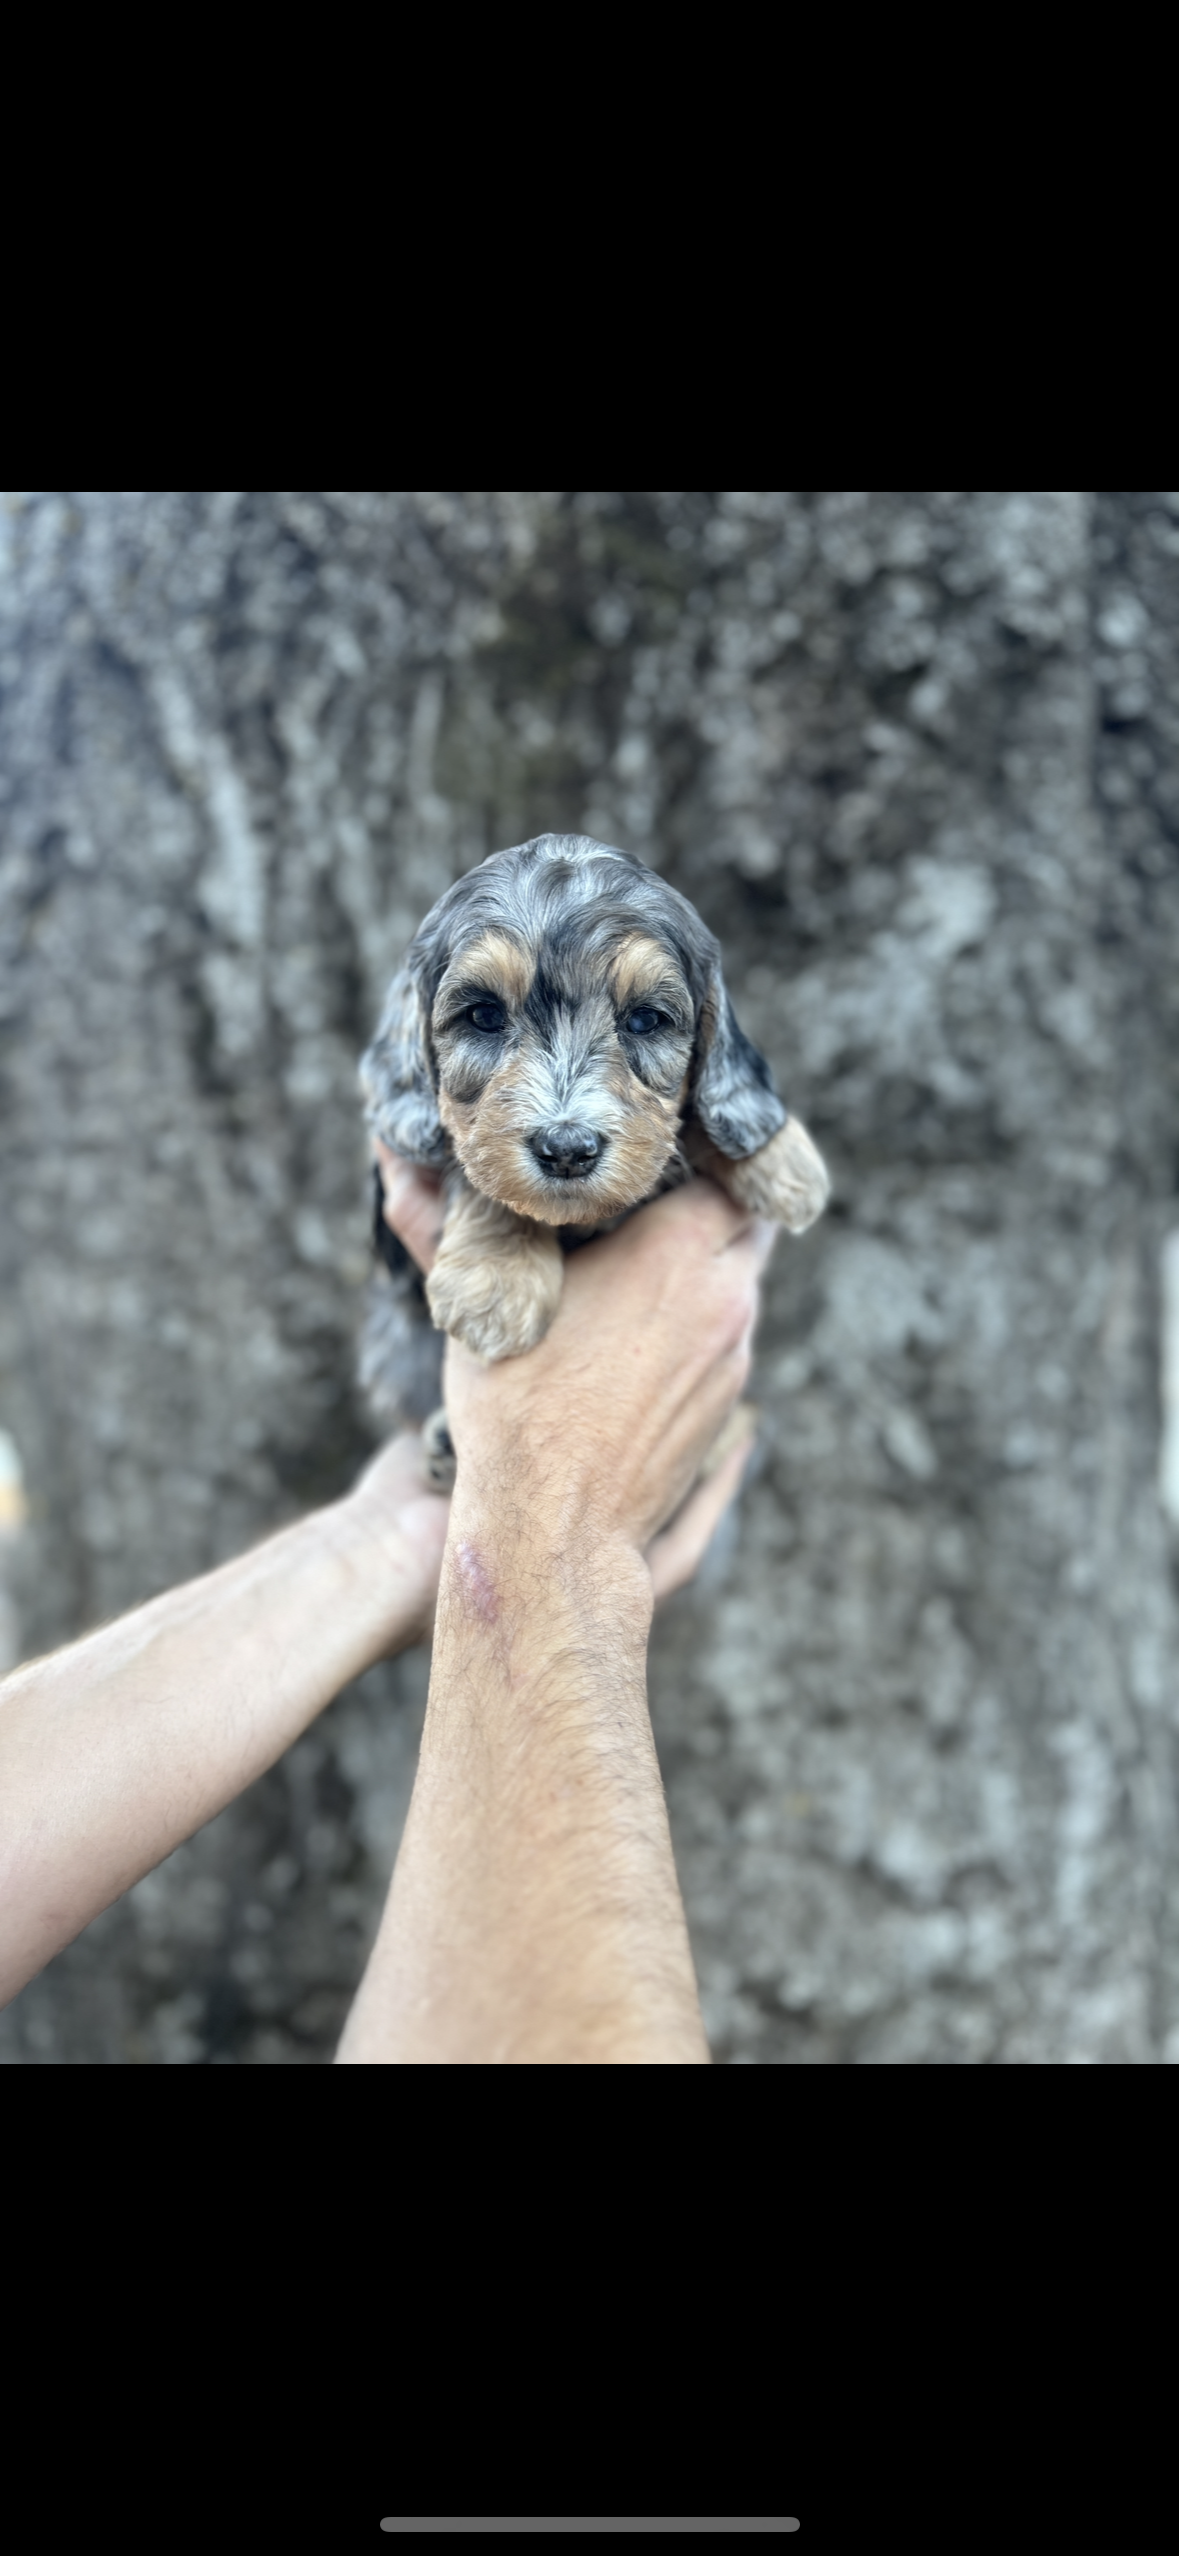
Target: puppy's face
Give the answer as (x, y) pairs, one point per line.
(562, 1066)
(559, 1010)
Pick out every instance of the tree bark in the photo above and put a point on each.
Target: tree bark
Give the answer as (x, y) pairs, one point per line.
(916, 759)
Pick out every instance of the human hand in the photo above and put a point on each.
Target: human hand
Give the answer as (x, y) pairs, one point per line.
(623, 1417)
(394, 1516)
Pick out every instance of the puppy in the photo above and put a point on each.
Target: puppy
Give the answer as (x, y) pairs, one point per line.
(561, 1044)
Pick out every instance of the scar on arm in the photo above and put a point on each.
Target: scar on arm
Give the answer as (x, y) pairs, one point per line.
(478, 1586)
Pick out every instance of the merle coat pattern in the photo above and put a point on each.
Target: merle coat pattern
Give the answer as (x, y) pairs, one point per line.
(561, 1045)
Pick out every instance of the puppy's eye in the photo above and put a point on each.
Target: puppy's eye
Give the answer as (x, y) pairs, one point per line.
(644, 1020)
(487, 1016)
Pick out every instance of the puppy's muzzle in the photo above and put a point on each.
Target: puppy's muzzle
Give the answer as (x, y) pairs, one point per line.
(567, 1152)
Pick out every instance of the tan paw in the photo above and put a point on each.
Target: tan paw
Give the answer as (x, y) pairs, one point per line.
(499, 1302)
(786, 1179)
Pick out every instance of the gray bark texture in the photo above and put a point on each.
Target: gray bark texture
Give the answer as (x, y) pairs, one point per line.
(916, 759)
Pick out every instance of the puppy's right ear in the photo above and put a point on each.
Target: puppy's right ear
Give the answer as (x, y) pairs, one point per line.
(758, 1153)
(397, 1081)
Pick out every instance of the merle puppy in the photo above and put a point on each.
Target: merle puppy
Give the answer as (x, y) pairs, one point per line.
(561, 1045)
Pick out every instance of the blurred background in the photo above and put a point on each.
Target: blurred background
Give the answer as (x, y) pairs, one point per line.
(915, 757)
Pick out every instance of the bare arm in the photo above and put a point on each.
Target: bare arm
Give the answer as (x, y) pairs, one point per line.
(119, 1747)
(534, 1912)
(113, 1751)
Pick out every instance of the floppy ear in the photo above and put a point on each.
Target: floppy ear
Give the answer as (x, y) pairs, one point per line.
(759, 1154)
(397, 1081)
(734, 1097)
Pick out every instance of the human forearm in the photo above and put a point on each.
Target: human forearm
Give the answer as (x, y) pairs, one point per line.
(535, 1914)
(113, 1751)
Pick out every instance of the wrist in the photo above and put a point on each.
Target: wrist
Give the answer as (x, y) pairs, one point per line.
(548, 1488)
(389, 1562)
(541, 1552)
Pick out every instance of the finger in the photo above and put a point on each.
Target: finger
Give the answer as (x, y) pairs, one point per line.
(753, 1245)
(414, 1208)
(396, 1477)
(710, 1216)
(675, 1556)
(739, 1431)
(763, 1238)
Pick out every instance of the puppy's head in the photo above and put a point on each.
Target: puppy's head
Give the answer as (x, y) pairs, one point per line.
(561, 1010)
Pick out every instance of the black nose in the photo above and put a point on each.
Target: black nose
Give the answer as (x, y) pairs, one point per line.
(566, 1153)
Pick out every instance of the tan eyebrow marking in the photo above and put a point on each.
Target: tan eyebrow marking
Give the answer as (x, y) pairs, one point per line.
(504, 966)
(642, 966)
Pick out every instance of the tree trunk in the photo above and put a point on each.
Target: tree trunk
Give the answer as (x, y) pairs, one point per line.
(916, 759)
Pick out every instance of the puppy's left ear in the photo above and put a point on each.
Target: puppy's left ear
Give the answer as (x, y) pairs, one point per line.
(762, 1156)
(734, 1097)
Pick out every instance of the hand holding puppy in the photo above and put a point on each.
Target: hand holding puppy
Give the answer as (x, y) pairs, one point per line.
(633, 1396)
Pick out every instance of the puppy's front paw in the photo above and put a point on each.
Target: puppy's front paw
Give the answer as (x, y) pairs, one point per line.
(786, 1179)
(499, 1302)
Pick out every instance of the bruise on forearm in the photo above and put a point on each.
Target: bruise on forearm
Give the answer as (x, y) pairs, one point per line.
(524, 1609)
(476, 1583)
